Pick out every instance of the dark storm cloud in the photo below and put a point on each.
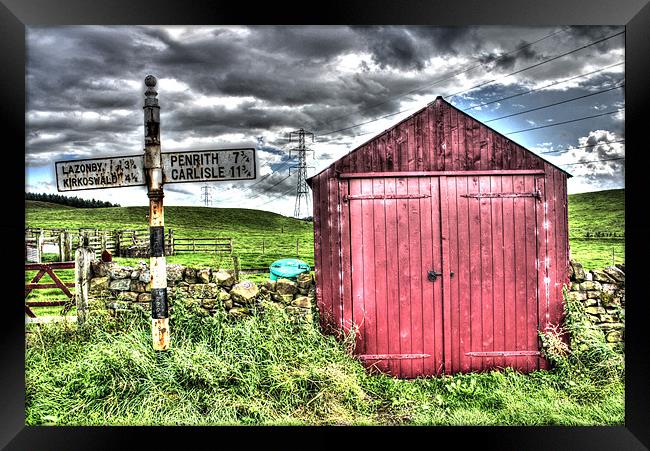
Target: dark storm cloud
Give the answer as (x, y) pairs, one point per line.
(507, 60)
(291, 77)
(409, 48)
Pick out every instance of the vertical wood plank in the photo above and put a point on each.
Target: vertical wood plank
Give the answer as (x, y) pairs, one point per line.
(368, 248)
(426, 249)
(418, 136)
(485, 162)
(446, 281)
(531, 273)
(346, 258)
(334, 250)
(438, 299)
(455, 151)
(452, 299)
(317, 252)
(520, 272)
(463, 273)
(440, 135)
(498, 281)
(487, 300)
(381, 273)
(403, 260)
(542, 303)
(409, 127)
(326, 272)
(426, 138)
(552, 241)
(390, 151)
(447, 164)
(392, 292)
(357, 244)
(462, 143)
(415, 269)
(509, 269)
(475, 274)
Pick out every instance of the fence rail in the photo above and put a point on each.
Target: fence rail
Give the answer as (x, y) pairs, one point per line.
(49, 269)
(217, 245)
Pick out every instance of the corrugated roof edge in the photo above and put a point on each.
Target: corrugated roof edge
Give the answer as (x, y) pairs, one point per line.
(418, 112)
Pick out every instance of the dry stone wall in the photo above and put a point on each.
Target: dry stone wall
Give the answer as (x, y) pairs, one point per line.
(123, 288)
(602, 293)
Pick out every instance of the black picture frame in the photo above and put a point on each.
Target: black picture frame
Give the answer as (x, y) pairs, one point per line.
(15, 15)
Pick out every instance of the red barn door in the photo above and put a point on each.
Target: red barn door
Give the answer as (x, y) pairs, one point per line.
(444, 272)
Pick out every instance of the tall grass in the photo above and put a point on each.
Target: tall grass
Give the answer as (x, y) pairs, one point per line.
(265, 369)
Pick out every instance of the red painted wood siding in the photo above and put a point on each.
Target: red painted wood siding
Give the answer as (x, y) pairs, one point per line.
(441, 138)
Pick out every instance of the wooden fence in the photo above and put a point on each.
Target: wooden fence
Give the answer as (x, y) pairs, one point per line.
(49, 269)
(203, 245)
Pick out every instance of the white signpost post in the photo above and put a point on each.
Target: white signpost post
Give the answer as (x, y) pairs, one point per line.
(154, 169)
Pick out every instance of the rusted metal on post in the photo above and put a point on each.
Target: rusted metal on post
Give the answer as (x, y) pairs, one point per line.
(154, 175)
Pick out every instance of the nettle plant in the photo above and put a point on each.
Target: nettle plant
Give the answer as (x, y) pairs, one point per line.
(578, 347)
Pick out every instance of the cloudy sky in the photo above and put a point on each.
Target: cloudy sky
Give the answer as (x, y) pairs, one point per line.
(225, 86)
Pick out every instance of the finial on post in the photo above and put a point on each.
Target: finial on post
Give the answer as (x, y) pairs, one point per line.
(150, 94)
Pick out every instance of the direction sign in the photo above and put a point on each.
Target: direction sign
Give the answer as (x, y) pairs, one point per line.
(100, 173)
(208, 165)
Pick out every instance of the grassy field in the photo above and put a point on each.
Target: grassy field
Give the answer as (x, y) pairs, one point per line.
(252, 230)
(265, 370)
(597, 213)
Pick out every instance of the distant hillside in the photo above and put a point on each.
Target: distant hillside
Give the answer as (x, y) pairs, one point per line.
(186, 221)
(598, 211)
(597, 228)
(33, 204)
(75, 201)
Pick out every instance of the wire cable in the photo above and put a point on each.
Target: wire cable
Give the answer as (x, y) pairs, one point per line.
(566, 122)
(542, 87)
(536, 65)
(440, 80)
(555, 104)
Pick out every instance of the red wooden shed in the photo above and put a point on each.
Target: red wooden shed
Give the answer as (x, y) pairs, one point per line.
(444, 243)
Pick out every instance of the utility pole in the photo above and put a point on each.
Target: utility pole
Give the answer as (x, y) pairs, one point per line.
(302, 189)
(206, 195)
(154, 176)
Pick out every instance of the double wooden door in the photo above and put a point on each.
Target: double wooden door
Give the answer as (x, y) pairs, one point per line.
(444, 272)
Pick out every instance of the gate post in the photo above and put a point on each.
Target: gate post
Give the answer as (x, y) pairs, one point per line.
(67, 244)
(154, 175)
(82, 258)
(39, 247)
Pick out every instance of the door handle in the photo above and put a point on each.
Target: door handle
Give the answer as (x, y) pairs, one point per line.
(433, 275)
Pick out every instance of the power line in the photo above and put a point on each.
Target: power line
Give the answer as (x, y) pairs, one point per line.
(542, 87)
(582, 147)
(566, 122)
(594, 161)
(440, 80)
(270, 187)
(474, 87)
(556, 103)
(537, 64)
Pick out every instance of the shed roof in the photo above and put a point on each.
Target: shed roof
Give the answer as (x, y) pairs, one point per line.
(438, 99)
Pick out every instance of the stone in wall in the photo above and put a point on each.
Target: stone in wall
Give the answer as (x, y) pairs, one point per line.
(602, 293)
(244, 292)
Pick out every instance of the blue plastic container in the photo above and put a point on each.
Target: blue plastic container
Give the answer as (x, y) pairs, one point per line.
(287, 268)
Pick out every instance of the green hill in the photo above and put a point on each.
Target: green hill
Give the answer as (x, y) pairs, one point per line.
(259, 237)
(596, 227)
(34, 204)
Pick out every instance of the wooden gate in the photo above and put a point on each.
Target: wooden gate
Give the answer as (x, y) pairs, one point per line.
(444, 272)
(48, 268)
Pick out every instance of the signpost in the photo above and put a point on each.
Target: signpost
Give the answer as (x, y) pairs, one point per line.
(154, 169)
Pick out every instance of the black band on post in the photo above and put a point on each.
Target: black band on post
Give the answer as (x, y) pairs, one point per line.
(157, 240)
(159, 303)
